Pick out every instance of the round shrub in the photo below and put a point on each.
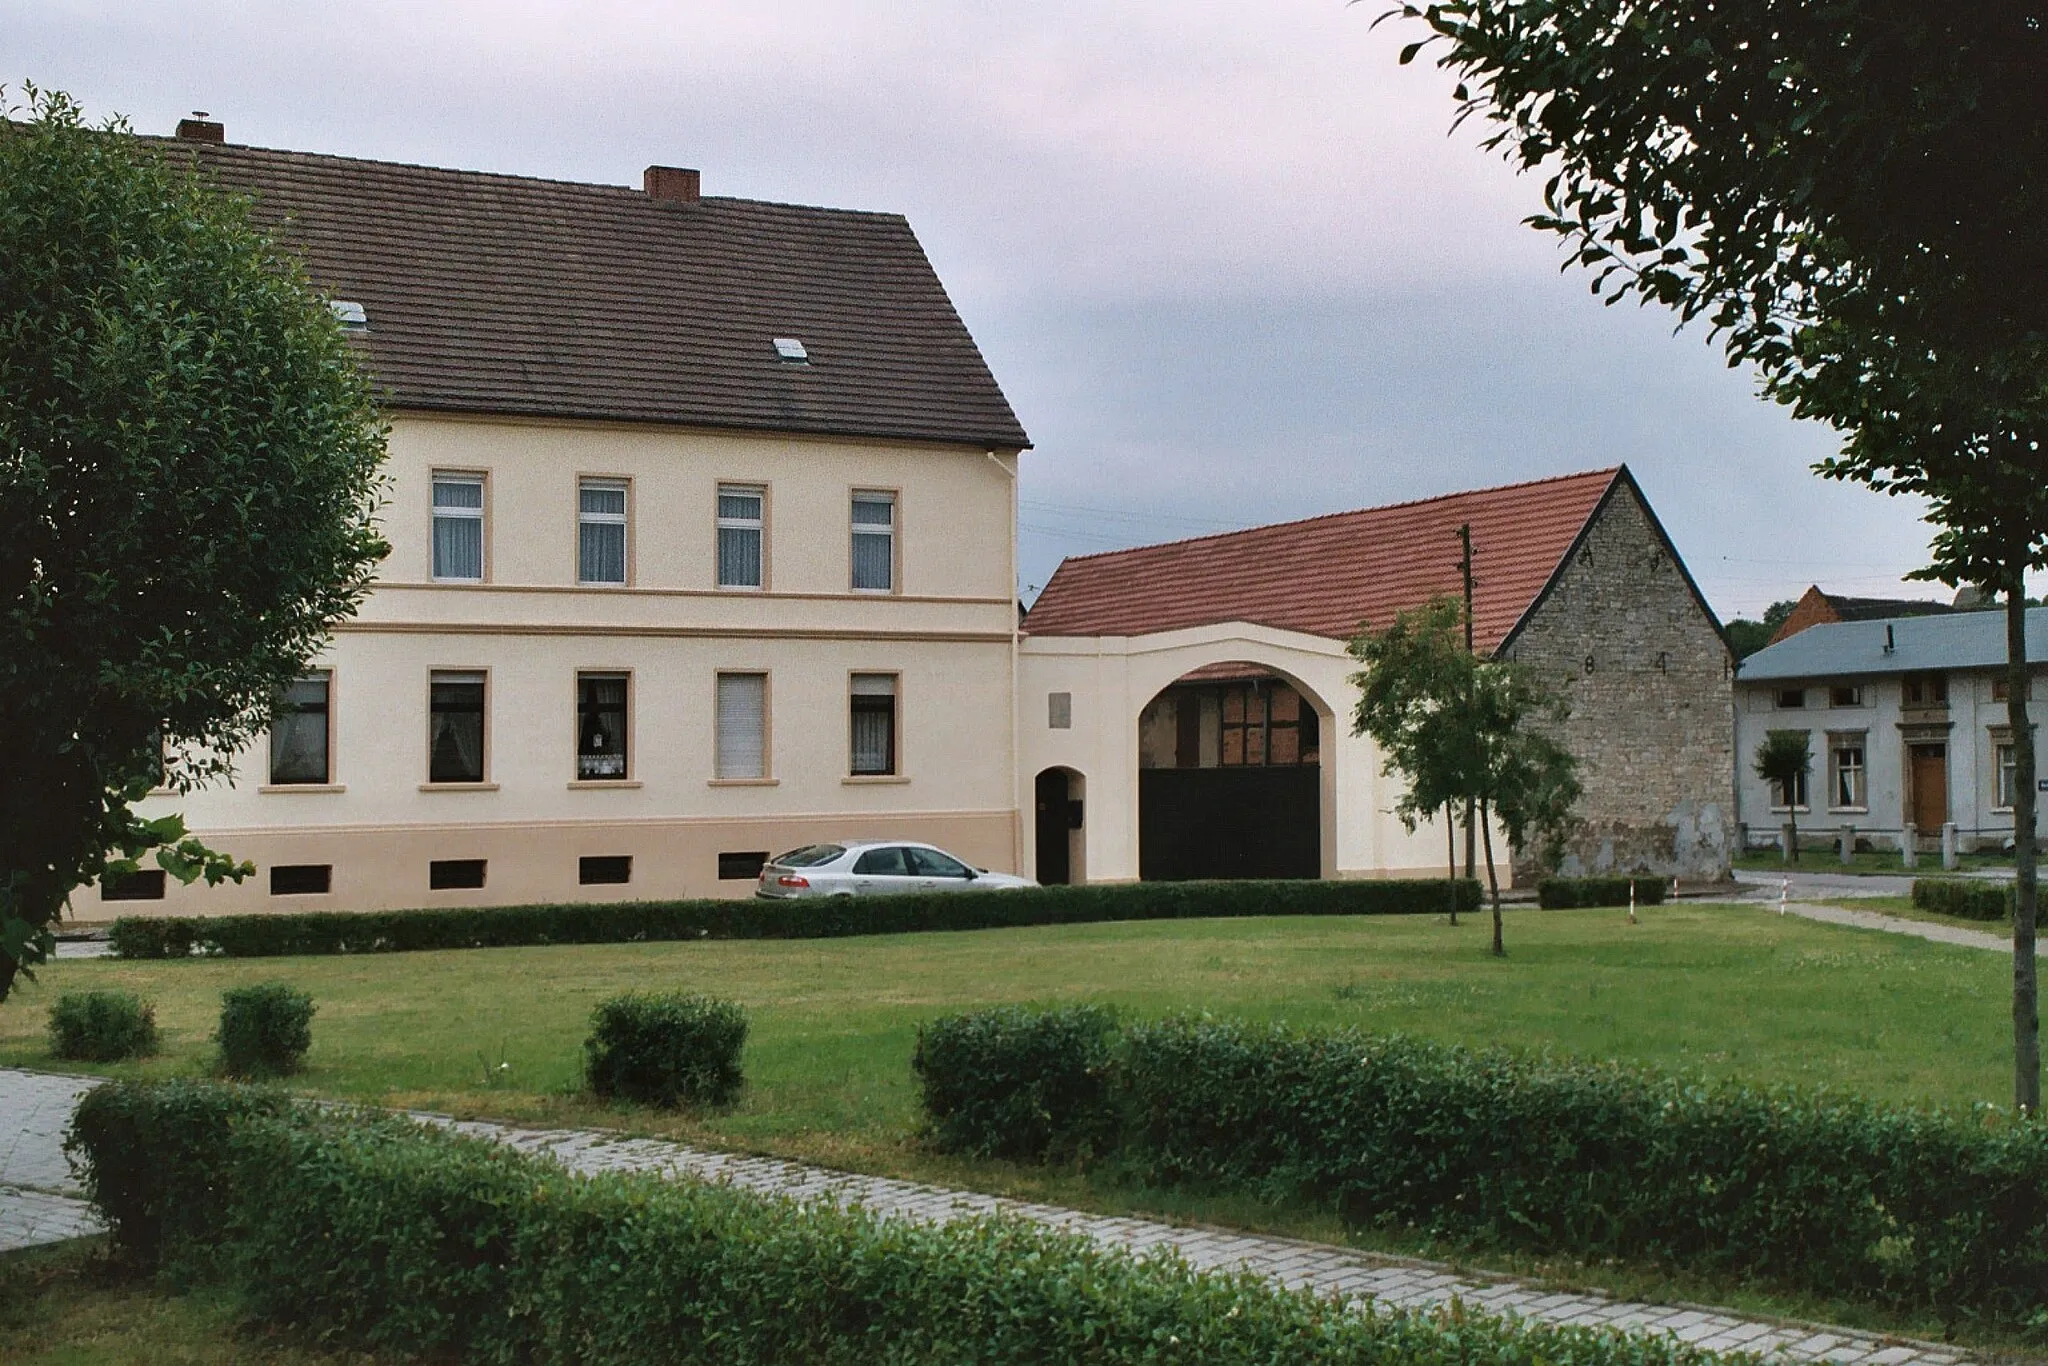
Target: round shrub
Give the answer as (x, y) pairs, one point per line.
(102, 1026)
(264, 1029)
(666, 1048)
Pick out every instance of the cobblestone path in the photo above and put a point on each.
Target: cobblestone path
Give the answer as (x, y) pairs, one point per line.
(39, 1203)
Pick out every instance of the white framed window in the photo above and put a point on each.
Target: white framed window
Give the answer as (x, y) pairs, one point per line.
(601, 531)
(1791, 699)
(1798, 796)
(874, 542)
(600, 726)
(742, 726)
(300, 735)
(1845, 695)
(741, 523)
(874, 725)
(458, 528)
(1847, 779)
(2008, 775)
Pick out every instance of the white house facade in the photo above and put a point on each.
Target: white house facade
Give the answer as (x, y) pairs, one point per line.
(1906, 723)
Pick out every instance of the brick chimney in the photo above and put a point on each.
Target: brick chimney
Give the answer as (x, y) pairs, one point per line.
(671, 182)
(200, 128)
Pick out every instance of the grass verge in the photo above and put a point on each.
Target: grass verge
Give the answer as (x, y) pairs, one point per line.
(1729, 990)
(64, 1305)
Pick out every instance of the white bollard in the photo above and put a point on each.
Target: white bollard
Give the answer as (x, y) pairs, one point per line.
(1631, 901)
(1949, 849)
(1784, 894)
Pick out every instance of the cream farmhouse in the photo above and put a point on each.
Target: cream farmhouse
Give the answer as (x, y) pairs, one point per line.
(702, 516)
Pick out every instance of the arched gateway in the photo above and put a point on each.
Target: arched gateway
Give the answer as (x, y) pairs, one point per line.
(1230, 781)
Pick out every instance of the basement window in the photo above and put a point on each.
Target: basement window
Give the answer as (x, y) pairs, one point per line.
(301, 879)
(741, 866)
(453, 874)
(604, 869)
(145, 884)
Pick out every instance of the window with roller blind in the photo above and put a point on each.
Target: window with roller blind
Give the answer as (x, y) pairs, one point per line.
(742, 726)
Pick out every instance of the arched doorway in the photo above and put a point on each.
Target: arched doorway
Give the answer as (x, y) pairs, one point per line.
(1230, 781)
(1060, 819)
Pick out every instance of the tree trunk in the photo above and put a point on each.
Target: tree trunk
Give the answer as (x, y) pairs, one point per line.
(1492, 878)
(2026, 1012)
(1792, 817)
(1471, 847)
(1451, 845)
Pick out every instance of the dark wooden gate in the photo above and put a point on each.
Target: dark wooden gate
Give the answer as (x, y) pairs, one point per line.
(1230, 822)
(1055, 819)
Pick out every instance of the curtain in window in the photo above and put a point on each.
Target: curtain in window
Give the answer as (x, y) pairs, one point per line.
(601, 533)
(874, 541)
(874, 723)
(456, 729)
(458, 528)
(600, 725)
(298, 735)
(742, 725)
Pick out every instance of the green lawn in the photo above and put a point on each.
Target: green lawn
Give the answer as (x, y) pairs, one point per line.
(61, 1306)
(1729, 990)
(1873, 863)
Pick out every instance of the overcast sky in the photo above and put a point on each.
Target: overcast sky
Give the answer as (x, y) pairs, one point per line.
(1224, 256)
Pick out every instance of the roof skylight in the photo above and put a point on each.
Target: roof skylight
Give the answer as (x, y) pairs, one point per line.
(349, 314)
(792, 350)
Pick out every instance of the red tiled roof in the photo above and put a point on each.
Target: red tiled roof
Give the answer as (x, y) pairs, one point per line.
(1327, 575)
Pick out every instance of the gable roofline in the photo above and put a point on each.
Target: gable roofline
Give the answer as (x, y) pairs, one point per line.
(1623, 478)
(1333, 516)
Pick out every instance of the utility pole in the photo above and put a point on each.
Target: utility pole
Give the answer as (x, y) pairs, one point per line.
(1465, 572)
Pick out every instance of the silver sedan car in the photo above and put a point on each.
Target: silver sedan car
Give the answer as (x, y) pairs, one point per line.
(875, 867)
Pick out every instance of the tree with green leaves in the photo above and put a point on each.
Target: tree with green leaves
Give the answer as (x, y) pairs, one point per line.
(189, 472)
(1847, 193)
(1746, 637)
(1456, 728)
(1785, 760)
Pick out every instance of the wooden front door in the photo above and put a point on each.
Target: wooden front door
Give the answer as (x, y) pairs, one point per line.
(1930, 787)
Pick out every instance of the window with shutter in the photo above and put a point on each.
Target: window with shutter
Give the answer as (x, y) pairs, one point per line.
(742, 725)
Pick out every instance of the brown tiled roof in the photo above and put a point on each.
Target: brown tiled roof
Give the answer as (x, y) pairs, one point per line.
(1327, 575)
(503, 294)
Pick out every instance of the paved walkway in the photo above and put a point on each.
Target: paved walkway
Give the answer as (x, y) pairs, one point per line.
(1898, 924)
(38, 1198)
(38, 1204)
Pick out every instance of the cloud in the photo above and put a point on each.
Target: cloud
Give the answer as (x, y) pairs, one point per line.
(1226, 257)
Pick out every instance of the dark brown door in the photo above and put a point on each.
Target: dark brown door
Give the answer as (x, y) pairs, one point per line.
(1930, 787)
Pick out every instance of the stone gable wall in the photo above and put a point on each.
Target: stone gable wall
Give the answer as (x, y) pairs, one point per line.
(1652, 720)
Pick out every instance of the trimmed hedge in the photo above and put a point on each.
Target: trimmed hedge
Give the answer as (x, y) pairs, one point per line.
(102, 1026)
(669, 1049)
(1967, 897)
(1022, 1084)
(619, 922)
(383, 1236)
(1569, 893)
(265, 1029)
(1916, 1210)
